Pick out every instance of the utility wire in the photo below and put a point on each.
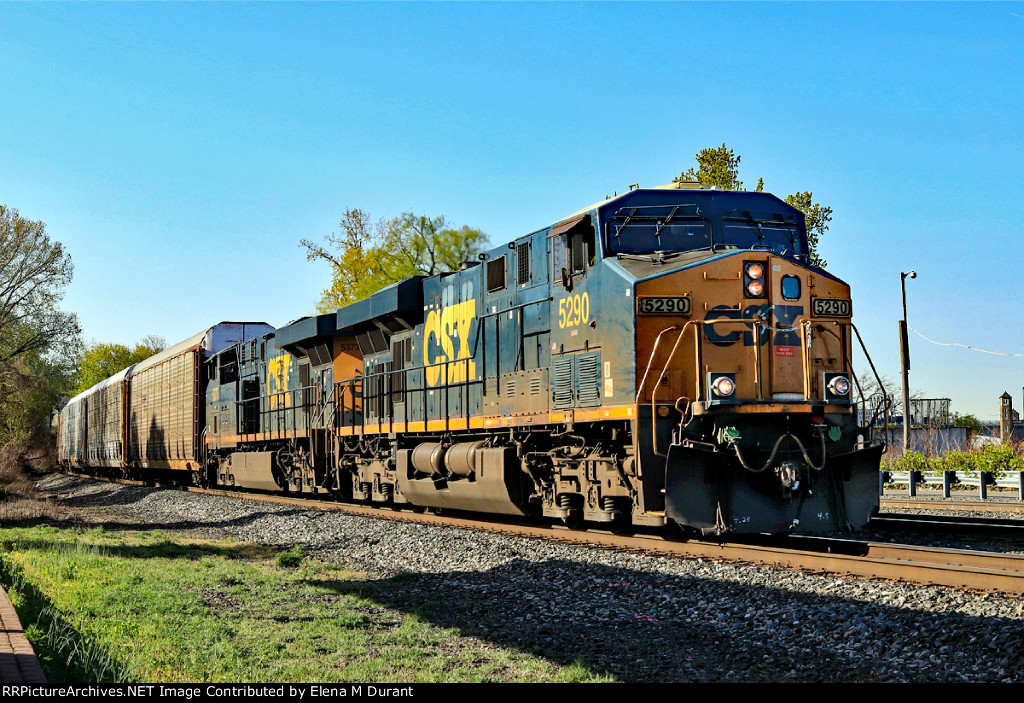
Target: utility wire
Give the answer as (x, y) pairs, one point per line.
(946, 343)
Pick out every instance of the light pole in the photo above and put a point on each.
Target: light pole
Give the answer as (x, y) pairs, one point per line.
(905, 360)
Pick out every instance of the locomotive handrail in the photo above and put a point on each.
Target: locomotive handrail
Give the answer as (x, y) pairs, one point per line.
(801, 324)
(654, 391)
(650, 361)
(270, 406)
(389, 392)
(878, 379)
(522, 336)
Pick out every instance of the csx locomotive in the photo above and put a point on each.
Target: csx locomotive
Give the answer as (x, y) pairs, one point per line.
(667, 356)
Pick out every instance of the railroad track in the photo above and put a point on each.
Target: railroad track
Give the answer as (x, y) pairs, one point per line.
(936, 502)
(957, 568)
(1009, 529)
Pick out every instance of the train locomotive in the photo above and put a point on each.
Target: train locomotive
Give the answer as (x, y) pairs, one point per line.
(666, 357)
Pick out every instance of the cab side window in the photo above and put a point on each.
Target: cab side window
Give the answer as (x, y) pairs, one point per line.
(574, 250)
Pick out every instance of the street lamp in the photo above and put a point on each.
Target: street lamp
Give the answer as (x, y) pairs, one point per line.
(905, 360)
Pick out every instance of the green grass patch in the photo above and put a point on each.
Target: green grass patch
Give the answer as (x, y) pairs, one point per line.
(156, 607)
(292, 558)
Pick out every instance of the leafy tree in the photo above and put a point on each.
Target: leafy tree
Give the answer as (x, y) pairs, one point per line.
(971, 422)
(38, 341)
(367, 256)
(101, 360)
(817, 217)
(715, 167)
(33, 275)
(33, 387)
(721, 167)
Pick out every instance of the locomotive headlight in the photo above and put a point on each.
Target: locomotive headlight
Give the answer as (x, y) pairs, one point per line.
(723, 386)
(755, 288)
(755, 270)
(840, 385)
(837, 387)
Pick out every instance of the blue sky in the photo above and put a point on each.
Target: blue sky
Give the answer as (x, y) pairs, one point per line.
(180, 151)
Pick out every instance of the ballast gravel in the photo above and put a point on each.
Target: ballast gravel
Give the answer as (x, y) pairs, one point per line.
(640, 618)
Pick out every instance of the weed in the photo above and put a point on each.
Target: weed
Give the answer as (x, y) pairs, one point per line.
(67, 570)
(291, 558)
(82, 657)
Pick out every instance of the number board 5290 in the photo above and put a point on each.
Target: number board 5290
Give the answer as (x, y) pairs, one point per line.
(831, 307)
(663, 305)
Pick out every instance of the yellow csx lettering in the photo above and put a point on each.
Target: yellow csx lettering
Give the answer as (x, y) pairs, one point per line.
(277, 381)
(452, 321)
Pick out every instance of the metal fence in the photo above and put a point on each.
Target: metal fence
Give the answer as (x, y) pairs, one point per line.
(981, 481)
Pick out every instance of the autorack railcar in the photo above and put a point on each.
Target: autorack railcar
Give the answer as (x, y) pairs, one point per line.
(148, 419)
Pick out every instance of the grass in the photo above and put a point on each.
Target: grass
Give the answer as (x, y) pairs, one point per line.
(157, 607)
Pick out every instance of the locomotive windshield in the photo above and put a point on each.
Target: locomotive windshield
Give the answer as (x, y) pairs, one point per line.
(754, 230)
(669, 229)
(645, 237)
(682, 228)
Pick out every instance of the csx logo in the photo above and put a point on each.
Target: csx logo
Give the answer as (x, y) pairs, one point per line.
(277, 381)
(784, 315)
(446, 338)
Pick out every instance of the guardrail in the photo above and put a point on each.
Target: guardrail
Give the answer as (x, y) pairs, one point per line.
(948, 479)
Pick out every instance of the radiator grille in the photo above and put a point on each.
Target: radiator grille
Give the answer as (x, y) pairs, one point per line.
(590, 380)
(561, 391)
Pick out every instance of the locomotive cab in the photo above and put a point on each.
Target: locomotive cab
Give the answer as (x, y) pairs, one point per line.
(743, 363)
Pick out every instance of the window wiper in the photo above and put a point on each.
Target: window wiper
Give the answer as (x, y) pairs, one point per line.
(663, 225)
(664, 256)
(636, 257)
(624, 222)
(658, 257)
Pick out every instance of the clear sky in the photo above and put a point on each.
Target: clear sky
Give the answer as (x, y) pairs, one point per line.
(180, 151)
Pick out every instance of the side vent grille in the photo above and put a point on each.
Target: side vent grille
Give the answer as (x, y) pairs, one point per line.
(561, 391)
(535, 385)
(510, 388)
(523, 261)
(590, 380)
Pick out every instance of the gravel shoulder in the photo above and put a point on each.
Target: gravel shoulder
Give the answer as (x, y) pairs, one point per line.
(641, 618)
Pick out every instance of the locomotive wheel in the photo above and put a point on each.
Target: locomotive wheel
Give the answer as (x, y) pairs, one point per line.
(573, 520)
(621, 526)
